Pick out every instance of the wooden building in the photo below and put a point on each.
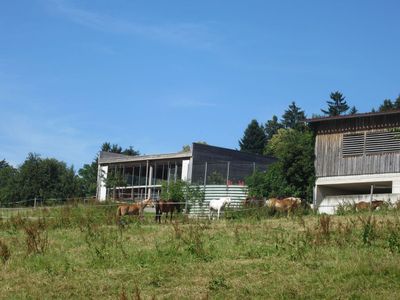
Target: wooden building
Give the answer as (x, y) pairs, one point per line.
(142, 176)
(357, 158)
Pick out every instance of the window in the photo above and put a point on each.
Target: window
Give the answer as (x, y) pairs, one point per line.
(378, 142)
(353, 144)
(371, 143)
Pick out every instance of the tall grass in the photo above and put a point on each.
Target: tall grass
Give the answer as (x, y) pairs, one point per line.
(82, 252)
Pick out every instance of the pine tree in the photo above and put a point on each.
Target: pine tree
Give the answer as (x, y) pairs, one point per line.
(271, 127)
(293, 116)
(337, 105)
(387, 105)
(397, 103)
(353, 110)
(254, 139)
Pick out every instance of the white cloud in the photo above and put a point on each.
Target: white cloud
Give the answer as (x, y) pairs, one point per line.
(188, 34)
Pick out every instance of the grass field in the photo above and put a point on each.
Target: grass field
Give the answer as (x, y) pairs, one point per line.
(79, 252)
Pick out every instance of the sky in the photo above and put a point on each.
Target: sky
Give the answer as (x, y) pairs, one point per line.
(157, 75)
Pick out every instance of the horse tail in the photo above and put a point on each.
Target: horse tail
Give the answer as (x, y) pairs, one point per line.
(119, 213)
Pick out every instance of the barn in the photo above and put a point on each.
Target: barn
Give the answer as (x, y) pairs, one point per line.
(357, 158)
(219, 171)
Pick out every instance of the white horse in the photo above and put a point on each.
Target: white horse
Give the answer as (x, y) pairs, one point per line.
(218, 204)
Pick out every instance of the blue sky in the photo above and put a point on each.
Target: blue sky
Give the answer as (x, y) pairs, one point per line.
(160, 74)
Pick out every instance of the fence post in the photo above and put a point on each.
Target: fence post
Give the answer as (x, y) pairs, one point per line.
(254, 167)
(205, 175)
(227, 173)
(34, 203)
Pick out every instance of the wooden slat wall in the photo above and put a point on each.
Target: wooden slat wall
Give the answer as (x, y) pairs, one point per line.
(330, 161)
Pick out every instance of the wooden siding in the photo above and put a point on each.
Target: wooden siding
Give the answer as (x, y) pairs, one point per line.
(330, 161)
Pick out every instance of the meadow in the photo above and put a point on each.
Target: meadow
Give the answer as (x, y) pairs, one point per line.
(77, 252)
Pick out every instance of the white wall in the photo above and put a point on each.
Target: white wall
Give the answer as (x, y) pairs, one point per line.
(102, 190)
(325, 188)
(185, 170)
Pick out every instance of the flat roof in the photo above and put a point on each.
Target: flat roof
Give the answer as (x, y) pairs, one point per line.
(344, 117)
(109, 157)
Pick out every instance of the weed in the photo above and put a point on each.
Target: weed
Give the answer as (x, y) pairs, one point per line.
(217, 283)
(36, 237)
(194, 241)
(325, 225)
(4, 252)
(368, 229)
(237, 236)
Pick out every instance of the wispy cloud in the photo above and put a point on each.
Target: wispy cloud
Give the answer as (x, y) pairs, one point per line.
(21, 134)
(189, 34)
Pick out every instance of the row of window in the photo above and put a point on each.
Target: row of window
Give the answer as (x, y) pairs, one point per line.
(370, 143)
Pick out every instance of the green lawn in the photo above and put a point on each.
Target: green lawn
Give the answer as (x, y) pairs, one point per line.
(79, 252)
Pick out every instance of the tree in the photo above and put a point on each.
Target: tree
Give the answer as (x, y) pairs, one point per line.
(353, 110)
(337, 105)
(293, 173)
(397, 103)
(130, 151)
(293, 116)
(9, 191)
(254, 138)
(47, 178)
(387, 105)
(88, 173)
(3, 164)
(271, 127)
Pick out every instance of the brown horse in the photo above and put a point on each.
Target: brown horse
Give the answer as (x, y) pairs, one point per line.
(167, 207)
(135, 209)
(369, 206)
(284, 205)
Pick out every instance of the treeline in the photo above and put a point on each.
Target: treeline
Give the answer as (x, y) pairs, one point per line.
(48, 178)
(292, 143)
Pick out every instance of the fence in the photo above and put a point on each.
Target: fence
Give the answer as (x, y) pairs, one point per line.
(227, 173)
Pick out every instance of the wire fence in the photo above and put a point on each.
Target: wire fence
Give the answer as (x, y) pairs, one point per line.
(224, 173)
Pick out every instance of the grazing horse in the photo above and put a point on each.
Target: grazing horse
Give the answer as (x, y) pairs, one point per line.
(254, 202)
(217, 205)
(167, 207)
(133, 209)
(284, 205)
(373, 205)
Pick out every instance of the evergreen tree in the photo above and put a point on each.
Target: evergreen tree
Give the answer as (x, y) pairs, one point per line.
(387, 105)
(3, 164)
(353, 110)
(293, 116)
(130, 151)
(254, 138)
(271, 127)
(337, 105)
(397, 103)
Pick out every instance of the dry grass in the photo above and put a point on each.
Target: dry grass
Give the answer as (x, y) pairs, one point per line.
(86, 255)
